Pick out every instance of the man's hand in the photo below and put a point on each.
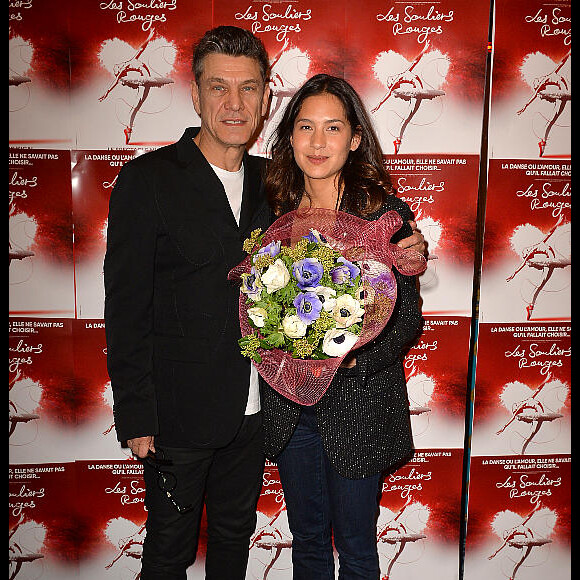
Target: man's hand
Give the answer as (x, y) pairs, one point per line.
(141, 446)
(414, 242)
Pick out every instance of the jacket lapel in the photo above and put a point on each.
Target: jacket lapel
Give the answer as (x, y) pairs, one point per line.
(253, 198)
(209, 191)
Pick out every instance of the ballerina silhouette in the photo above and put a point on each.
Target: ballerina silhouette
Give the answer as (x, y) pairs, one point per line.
(554, 88)
(532, 410)
(269, 537)
(136, 74)
(542, 256)
(522, 537)
(408, 86)
(396, 533)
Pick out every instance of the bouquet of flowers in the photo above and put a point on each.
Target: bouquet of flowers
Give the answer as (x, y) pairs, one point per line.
(315, 285)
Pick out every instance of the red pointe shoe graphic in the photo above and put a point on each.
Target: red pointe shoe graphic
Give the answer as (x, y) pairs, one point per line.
(529, 310)
(542, 146)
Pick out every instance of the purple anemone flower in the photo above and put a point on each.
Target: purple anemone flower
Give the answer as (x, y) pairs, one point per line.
(315, 236)
(252, 285)
(344, 274)
(308, 306)
(307, 272)
(272, 249)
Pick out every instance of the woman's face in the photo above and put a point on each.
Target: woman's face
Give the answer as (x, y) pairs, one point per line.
(321, 139)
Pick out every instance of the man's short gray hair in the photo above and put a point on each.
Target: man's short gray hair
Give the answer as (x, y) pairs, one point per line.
(231, 41)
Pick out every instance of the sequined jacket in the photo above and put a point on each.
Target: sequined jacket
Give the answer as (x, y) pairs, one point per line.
(363, 417)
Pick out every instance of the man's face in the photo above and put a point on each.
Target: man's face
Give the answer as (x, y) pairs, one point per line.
(231, 100)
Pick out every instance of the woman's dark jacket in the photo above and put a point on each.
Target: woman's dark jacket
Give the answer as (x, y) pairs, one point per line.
(363, 418)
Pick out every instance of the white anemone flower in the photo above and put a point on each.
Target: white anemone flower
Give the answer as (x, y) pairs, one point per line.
(347, 311)
(337, 341)
(326, 295)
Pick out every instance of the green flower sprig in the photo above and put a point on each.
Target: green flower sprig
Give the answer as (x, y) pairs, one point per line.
(253, 241)
(297, 252)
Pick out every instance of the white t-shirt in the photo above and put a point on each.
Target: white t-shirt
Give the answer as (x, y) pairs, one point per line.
(233, 182)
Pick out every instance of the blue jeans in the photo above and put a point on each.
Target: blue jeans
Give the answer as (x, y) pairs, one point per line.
(320, 503)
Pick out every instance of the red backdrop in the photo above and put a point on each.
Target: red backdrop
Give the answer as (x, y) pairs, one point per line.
(489, 380)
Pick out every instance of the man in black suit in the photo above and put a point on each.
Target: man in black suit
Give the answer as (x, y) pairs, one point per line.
(185, 400)
(184, 397)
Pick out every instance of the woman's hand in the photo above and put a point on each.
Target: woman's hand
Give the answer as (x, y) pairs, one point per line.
(416, 241)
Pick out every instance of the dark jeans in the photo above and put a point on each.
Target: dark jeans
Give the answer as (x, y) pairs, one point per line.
(229, 479)
(321, 502)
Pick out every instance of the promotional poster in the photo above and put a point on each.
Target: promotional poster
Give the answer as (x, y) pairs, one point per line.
(531, 92)
(42, 400)
(131, 70)
(302, 39)
(420, 68)
(94, 174)
(419, 517)
(271, 543)
(519, 525)
(112, 532)
(441, 191)
(38, 75)
(527, 250)
(40, 233)
(523, 389)
(95, 433)
(43, 538)
(437, 382)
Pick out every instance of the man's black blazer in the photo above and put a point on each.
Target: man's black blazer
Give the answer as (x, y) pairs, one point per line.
(171, 315)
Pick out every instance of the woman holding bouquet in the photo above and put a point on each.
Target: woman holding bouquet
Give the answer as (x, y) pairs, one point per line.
(331, 456)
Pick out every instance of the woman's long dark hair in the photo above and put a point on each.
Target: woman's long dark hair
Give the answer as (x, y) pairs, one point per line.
(364, 180)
